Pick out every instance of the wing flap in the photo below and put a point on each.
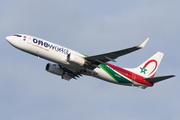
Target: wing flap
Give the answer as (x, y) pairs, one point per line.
(67, 77)
(68, 74)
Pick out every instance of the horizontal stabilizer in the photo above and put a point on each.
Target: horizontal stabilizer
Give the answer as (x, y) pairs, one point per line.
(158, 79)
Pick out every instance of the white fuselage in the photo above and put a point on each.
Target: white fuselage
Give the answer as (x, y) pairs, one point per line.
(71, 64)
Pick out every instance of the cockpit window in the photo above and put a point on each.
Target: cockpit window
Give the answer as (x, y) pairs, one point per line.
(18, 35)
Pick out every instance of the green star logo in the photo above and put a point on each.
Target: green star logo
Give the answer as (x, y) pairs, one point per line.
(143, 70)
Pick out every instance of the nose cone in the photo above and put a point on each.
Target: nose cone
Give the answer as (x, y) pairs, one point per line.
(9, 38)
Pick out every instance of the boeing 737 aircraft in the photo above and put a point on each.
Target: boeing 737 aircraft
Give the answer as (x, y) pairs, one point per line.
(71, 64)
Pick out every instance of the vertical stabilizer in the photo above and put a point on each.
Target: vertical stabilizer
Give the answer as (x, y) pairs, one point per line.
(149, 67)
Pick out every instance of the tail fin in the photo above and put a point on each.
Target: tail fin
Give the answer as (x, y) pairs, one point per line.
(149, 67)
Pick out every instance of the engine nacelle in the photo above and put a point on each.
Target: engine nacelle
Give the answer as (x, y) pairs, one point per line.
(54, 68)
(76, 59)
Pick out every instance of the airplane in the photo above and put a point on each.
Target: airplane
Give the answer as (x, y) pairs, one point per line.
(70, 64)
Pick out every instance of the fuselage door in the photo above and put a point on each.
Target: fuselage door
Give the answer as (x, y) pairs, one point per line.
(133, 77)
(29, 40)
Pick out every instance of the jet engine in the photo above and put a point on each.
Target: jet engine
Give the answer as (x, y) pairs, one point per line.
(76, 59)
(54, 68)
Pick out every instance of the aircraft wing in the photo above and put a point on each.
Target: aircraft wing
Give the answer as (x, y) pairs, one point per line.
(103, 58)
(68, 74)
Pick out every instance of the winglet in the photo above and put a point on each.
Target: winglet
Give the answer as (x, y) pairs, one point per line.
(144, 43)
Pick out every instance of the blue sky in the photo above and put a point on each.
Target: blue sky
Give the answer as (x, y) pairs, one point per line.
(91, 27)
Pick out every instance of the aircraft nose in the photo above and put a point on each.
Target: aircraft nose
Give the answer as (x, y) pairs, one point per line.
(8, 38)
